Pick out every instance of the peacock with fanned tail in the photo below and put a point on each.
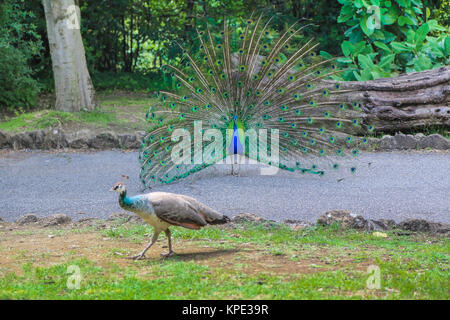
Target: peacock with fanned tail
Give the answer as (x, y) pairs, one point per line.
(241, 81)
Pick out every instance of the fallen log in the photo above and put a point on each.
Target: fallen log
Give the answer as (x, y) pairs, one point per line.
(411, 101)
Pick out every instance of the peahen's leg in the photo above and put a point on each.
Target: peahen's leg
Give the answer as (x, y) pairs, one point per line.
(171, 252)
(142, 254)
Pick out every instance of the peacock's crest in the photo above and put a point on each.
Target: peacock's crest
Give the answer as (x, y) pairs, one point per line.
(242, 89)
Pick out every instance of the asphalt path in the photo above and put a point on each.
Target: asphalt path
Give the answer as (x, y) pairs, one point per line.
(392, 185)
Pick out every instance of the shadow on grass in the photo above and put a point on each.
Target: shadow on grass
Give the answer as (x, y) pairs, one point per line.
(203, 255)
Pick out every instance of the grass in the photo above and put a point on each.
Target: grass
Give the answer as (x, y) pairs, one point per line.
(249, 261)
(50, 118)
(114, 111)
(428, 130)
(121, 110)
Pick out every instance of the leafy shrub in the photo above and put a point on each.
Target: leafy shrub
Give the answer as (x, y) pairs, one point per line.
(130, 81)
(17, 88)
(19, 44)
(386, 38)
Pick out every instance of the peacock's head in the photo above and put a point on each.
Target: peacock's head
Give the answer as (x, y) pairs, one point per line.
(118, 187)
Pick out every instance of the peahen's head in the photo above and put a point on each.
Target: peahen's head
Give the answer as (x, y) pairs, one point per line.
(119, 187)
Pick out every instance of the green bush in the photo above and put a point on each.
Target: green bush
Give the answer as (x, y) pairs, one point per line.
(149, 82)
(19, 44)
(386, 38)
(17, 88)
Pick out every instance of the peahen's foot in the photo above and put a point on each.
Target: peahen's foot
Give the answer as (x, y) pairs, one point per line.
(137, 257)
(168, 254)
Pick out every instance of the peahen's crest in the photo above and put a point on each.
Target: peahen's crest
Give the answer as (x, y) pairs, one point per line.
(246, 92)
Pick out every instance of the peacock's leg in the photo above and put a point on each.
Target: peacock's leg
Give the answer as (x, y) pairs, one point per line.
(234, 161)
(171, 252)
(142, 254)
(239, 164)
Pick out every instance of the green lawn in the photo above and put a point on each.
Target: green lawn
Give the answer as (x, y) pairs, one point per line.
(115, 111)
(245, 262)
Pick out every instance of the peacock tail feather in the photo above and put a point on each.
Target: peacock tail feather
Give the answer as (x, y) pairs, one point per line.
(245, 80)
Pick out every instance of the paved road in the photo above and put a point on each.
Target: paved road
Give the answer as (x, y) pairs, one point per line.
(395, 185)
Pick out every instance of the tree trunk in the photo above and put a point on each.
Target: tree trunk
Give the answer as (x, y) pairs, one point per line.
(414, 100)
(73, 85)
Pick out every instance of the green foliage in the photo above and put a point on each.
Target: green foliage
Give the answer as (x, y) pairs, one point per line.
(19, 44)
(149, 82)
(387, 38)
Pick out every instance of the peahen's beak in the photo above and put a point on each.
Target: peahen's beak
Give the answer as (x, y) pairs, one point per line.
(111, 190)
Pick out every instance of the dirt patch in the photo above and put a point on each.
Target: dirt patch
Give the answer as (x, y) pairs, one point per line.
(45, 247)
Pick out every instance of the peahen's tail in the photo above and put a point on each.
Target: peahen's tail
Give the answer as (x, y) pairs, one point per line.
(210, 215)
(255, 92)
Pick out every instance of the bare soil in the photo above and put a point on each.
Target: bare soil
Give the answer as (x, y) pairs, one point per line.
(44, 247)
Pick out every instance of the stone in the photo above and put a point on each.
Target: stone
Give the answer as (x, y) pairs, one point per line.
(387, 142)
(421, 225)
(79, 139)
(125, 217)
(105, 140)
(435, 141)
(297, 224)
(87, 222)
(55, 139)
(344, 218)
(405, 142)
(22, 140)
(380, 225)
(38, 138)
(5, 140)
(55, 220)
(27, 219)
(247, 217)
(128, 141)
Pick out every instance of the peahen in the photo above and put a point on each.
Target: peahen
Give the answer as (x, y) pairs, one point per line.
(162, 210)
(238, 83)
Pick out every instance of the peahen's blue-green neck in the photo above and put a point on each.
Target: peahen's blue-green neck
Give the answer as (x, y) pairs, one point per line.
(124, 201)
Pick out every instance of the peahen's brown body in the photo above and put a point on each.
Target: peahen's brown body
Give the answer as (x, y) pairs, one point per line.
(162, 210)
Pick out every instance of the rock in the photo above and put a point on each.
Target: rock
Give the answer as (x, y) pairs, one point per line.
(55, 220)
(105, 140)
(55, 139)
(22, 140)
(79, 139)
(434, 141)
(86, 222)
(125, 217)
(247, 217)
(380, 225)
(27, 219)
(387, 142)
(129, 141)
(5, 140)
(38, 138)
(346, 219)
(421, 225)
(404, 142)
